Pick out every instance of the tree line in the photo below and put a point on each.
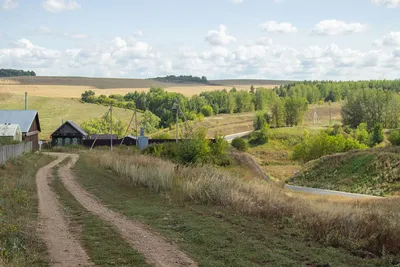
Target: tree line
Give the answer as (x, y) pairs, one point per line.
(182, 79)
(13, 73)
(282, 111)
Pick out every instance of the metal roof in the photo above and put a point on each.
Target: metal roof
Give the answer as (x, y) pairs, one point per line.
(24, 118)
(75, 126)
(8, 129)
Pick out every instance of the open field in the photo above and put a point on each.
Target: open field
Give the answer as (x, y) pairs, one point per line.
(75, 91)
(53, 110)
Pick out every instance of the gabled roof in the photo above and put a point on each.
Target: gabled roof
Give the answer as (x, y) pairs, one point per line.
(73, 125)
(8, 129)
(24, 118)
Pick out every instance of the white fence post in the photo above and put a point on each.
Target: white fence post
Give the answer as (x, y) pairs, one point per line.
(12, 151)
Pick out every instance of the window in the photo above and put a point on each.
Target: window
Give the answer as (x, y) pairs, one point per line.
(75, 141)
(67, 141)
(59, 142)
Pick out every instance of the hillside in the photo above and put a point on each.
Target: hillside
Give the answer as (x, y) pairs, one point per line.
(53, 110)
(373, 171)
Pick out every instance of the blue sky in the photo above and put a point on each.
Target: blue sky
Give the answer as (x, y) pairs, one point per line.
(266, 39)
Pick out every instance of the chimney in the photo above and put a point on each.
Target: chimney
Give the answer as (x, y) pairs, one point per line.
(26, 100)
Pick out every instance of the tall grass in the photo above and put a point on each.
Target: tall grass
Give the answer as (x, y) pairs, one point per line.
(372, 225)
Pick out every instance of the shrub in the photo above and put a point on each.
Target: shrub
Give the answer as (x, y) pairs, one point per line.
(394, 137)
(262, 118)
(260, 137)
(207, 111)
(162, 136)
(240, 144)
(323, 144)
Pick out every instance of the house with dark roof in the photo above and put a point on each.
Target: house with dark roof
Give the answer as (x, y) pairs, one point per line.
(28, 121)
(68, 133)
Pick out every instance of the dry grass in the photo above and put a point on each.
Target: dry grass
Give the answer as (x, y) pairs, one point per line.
(75, 91)
(372, 225)
(8, 81)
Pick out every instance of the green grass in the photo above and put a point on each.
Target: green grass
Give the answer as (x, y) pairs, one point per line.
(20, 244)
(52, 111)
(212, 235)
(372, 171)
(103, 244)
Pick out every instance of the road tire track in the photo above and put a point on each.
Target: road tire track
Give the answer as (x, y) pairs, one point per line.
(156, 250)
(64, 249)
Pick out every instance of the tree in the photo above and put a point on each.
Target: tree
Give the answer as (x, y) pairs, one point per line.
(88, 96)
(277, 113)
(377, 135)
(102, 126)
(150, 121)
(261, 119)
(394, 138)
(361, 134)
(260, 137)
(295, 109)
(207, 111)
(252, 89)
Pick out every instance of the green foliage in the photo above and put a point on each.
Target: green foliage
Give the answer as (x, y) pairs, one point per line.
(361, 134)
(323, 144)
(377, 135)
(182, 79)
(260, 137)
(262, 118)
(240, 144)
(14, 73)
(277, 113)
(162, 136)
(194, 149)
(207, 110)
(219, 151)
(394, 137)
(102, 126)
(295, 110)
(89, 96)
(150, 122)
(244, 102)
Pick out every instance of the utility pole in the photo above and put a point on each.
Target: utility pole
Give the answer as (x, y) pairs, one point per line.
(136, 127)
(111, 129)
(177, 122)
(26, 100)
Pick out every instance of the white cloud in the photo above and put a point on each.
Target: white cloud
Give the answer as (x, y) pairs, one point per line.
(273, 26)
(219, 37)
(10, 4)
(387, 3)
(57, 6)
(391, 39)
(338, 27)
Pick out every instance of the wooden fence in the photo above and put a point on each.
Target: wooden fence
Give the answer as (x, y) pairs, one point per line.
(12, 151)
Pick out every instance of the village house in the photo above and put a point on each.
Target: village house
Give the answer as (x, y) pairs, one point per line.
(10, 133)
(68, 134)
(28, 121)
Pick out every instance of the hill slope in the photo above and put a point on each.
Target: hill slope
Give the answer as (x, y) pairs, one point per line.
(53, 110)
(372, 171)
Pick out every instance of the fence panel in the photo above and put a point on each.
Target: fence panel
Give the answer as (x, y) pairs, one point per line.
(12, 151)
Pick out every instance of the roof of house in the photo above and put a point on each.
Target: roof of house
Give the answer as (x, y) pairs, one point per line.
(73, 125)
(24, 118)
(8, 129)
(103, 136)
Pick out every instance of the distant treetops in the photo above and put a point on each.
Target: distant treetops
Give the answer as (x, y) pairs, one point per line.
(14, 73)
(182, 79)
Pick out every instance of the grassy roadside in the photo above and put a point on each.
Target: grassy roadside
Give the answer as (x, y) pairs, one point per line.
(103, 244)
(213, 235)
(20, 244)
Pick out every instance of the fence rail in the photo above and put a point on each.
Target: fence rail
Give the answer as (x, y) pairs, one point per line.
(12, 151)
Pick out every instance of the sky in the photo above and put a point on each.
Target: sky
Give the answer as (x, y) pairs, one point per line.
(219, 39)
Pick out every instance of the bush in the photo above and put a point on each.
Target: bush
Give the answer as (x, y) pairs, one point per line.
(207, 111)
(323, 144)
(240, 144)
(377, 135)
(162, 136)
(394, 137)
(262, 118)
(260, 137)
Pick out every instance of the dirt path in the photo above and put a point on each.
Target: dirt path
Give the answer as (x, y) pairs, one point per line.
(64, 250)
(154, 248)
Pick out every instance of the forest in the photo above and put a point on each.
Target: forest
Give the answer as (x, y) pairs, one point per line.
(182, 79)
(14, 73)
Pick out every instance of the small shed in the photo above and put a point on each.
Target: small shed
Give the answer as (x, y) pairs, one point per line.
(68, 134)
(28, 121)
(10, 133)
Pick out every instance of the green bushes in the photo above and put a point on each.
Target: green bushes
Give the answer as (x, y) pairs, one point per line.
(207, 111)
(260, 137)
(262, 118)
(323, 144)
(394, 137)
(240, 144)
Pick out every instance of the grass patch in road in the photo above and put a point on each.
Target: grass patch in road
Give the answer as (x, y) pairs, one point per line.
(212, 235)
(103, 244)
(20, 244)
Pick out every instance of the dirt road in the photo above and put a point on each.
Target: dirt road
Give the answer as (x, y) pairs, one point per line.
(156, 250)
(64, 250)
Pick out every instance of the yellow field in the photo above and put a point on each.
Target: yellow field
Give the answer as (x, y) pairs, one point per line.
(76, 91)
(53, 110)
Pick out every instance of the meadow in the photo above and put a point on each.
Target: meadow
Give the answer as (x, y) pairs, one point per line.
(52, 111)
